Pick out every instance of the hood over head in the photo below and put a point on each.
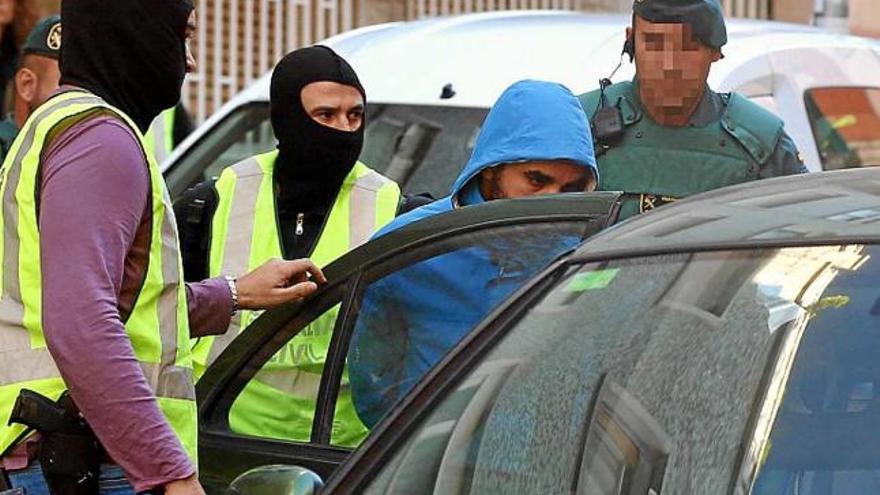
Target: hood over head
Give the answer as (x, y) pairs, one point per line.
(131, 53)
(313, 159)
(532, 120)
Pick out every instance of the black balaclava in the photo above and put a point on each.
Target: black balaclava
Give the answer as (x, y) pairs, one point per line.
(131, 53)
(313, 159)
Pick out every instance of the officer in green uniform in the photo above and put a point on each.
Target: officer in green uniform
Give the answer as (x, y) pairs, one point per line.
(35, 79)
(666, 135)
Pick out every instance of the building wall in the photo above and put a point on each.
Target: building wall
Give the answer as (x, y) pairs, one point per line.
(240, 40)
(799, 11)
(864, 17)
(28, 12)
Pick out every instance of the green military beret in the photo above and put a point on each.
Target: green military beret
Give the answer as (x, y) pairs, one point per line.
(706, 17)
(45, 38)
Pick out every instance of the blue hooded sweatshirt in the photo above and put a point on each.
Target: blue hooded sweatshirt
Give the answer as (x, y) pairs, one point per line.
(410, 319)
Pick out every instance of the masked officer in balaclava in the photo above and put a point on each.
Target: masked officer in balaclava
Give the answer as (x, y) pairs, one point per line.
(666, 135)
(93, 300)
(310, 197)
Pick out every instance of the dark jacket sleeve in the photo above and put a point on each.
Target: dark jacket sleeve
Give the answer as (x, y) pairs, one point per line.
(194, 211)
(379, 347)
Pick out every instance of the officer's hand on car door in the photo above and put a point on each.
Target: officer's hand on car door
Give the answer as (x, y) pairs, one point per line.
(277, 282)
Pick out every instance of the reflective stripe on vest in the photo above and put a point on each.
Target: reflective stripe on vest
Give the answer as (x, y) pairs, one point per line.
(245, 235)
(240, 242)
(157, 324)
(159, 138)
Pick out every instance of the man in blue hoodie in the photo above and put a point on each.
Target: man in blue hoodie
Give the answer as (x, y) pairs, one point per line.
(534, 141)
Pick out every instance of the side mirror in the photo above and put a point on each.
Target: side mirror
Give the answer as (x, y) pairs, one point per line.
(276, 480)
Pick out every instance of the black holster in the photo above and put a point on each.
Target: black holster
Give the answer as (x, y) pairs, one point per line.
(70, 454)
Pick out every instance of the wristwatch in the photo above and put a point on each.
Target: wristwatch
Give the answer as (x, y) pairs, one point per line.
(233, 291)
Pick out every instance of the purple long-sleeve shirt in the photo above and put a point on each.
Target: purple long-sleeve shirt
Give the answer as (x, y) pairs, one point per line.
(94, 242)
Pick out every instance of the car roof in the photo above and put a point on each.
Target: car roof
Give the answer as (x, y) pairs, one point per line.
(812, 209)
(481, 54)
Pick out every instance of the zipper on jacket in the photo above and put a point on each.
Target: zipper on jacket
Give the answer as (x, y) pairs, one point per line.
(300, 219)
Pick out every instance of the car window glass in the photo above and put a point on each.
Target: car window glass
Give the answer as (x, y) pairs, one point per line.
(846, 126)
(280, 400)
(675, 374)
(421, 147)
(410, 318)
(245, 132)
(824, 436)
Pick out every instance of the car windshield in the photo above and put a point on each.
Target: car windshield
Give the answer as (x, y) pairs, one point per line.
(422, 148)
(721, 372)
(846, 126)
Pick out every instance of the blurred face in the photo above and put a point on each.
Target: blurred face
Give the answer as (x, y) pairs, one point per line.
(516, 180)
(190, 34)
(672, 67)
(334, 105)
(7, 12)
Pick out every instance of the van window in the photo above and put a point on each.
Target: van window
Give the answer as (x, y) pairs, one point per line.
(422, 148)
(245, 132)
(846, 126)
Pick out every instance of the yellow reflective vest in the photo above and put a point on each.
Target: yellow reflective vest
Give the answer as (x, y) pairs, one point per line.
(280, 401)
(157, 325)
(159, 138)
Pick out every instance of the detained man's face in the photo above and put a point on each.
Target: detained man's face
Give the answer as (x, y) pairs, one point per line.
(516, 180)
(334, 105)
(671, 65)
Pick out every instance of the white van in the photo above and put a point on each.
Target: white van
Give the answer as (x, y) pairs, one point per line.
(430, 83)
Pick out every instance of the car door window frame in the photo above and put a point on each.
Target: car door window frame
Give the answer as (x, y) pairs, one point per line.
(414, 408)
(185, 178)
(227, 377)
(395, 430)
(810, 106)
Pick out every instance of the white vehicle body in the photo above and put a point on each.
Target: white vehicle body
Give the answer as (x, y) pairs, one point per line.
(479, 55)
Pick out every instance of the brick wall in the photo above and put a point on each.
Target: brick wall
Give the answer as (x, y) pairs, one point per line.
(864, 17)
(239, 40)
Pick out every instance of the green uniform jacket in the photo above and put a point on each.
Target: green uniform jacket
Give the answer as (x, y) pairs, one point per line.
(8, 131)
(728, 140)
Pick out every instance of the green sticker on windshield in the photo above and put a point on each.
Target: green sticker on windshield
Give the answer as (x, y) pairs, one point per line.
(592, 280)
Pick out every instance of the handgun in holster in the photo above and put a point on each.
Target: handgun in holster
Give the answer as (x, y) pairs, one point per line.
(70, 454)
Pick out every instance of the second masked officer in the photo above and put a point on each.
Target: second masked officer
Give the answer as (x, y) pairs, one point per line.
(310, 197)
(666, 135)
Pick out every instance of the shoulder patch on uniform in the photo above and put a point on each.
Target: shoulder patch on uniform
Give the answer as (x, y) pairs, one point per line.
(53, 39)
(648, 202)
(755, 128)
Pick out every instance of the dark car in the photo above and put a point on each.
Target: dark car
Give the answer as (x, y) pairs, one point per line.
(727, 344)
(526, 233)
